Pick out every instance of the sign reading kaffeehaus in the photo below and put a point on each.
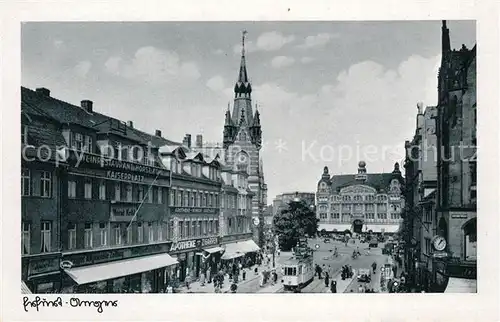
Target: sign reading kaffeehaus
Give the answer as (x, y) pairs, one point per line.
(195, 243)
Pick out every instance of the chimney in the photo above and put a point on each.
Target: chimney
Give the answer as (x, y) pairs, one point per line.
(43, 91)
(87, 105)
(130, 124)
(199, 141)
(158, 133)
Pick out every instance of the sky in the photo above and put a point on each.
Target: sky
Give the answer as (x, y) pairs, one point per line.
(329, 93)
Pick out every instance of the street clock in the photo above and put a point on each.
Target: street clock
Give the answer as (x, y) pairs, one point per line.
(439, 243)
(256, 221)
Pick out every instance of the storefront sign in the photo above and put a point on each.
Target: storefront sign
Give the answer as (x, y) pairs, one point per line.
(39, 266)
(101, 161)
(124, 176)
(123, 210)
(195, 243)
(186, 210)
(459, 216)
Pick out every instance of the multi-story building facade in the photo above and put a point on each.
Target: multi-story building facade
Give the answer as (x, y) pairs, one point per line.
(98, 211)
(360, 203)
(242, 141)
(420, 220)
(448, 259)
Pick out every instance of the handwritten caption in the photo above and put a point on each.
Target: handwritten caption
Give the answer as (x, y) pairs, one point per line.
(39, 302)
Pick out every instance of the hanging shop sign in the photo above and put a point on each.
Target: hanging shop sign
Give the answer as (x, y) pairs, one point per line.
(66, 264)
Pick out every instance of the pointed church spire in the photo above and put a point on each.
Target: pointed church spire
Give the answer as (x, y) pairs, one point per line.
(445, 38)
(243, 77)
(228, 117)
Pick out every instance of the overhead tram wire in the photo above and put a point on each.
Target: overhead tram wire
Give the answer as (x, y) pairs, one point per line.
(143, 199)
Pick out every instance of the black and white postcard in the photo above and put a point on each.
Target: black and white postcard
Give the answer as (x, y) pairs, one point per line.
(176, 161)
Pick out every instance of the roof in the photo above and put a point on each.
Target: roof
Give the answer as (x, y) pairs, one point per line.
(376, 180)
(34, 103)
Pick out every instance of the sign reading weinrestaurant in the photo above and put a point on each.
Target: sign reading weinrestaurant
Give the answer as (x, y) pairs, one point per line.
(87, 159)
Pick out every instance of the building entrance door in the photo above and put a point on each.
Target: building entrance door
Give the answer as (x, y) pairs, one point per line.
(357, 226)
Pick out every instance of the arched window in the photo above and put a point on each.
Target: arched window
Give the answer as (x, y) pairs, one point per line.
(243, 136)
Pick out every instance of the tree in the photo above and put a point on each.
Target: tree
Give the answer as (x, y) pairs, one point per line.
(294, 222)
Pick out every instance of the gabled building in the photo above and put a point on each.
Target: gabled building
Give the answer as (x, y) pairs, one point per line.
(360, 203)
(98, 212)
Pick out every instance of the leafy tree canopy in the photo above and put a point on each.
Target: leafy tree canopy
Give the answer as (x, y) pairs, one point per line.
(294, 222)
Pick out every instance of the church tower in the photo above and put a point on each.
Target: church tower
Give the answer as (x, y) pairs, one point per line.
(242, 140)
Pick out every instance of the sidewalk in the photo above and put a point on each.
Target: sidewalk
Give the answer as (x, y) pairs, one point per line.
(196, 287)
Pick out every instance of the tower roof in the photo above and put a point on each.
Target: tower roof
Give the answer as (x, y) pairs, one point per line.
(243, 76)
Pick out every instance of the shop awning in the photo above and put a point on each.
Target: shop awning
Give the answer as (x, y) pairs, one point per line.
(381, 228)
(106, 271)
(25, 289)
(238, 249)
(334, 227)
(214, 249)
(461, 285)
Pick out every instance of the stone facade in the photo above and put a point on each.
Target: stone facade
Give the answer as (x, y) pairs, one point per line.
(362, 202)
(242, 140)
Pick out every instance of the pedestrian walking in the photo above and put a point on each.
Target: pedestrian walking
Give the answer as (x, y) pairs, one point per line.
(170, 288)
(202, 278)
(244, 274)
(188, 281)
(327, 279)
(261, 282)
(256, 270)
(333, 286)
(361, 289)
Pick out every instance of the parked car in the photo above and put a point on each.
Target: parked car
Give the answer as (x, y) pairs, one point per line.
(373, 244)
(364, 275)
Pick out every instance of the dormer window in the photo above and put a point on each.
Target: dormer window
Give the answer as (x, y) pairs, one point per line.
(77, 141)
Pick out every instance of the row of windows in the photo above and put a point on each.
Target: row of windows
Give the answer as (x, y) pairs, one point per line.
(239, 224)
(36, 183)
(99, 235)
(197, 228)
(90, 188)
(183, 198)
(359, 198)
(367, 216)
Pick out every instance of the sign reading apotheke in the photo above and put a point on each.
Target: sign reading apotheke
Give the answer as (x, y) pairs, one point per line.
(195, 243)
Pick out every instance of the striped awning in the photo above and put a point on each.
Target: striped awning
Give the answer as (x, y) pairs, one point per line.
(25, 289)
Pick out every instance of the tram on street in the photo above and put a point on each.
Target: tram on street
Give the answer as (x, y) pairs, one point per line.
(298, 271)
